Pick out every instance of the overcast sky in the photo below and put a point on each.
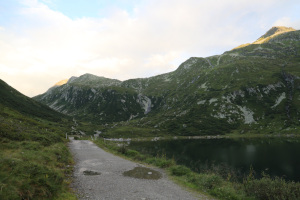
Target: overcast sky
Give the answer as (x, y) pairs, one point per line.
(45, 41)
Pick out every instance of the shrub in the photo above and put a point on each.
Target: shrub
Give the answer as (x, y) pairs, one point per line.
(209, 181)
(123, 149)
(160, 162)
(132, 153)
(226, 192)
(179, 170)
(267, 188)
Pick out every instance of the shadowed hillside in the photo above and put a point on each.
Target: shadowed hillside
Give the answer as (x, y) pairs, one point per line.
(34, 160)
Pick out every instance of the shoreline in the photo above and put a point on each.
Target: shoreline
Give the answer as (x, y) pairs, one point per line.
(207, 137)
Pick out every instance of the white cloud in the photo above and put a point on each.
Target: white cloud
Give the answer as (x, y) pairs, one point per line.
(44, 46)
(286, 21)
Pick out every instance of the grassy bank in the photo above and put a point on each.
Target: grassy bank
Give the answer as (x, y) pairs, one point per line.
(35, 162)
(121, 130)
(215, 181)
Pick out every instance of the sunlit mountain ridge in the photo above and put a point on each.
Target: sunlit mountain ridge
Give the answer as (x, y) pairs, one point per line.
(254, 88)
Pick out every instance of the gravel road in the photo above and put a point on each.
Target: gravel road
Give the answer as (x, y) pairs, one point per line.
(99, 175)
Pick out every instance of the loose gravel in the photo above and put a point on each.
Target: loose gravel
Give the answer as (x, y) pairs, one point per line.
(106, 180)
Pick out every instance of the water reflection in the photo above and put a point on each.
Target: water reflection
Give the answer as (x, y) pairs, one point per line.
(276, 156)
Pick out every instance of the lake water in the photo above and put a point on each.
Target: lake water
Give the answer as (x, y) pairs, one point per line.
(275, 156)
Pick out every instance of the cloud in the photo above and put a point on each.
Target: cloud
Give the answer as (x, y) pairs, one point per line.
(42, 46)
(288, 22)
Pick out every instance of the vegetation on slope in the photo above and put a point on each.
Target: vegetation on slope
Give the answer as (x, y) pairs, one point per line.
(34, 160)
(9, 97)
(252, 89)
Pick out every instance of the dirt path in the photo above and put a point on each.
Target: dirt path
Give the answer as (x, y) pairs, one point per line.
(99, 175)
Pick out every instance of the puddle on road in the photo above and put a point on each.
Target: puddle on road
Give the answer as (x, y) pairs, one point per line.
(91, 173)
(143, 173)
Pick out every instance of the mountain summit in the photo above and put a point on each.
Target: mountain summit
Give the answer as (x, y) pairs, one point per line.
(274, 31)
(62, 82)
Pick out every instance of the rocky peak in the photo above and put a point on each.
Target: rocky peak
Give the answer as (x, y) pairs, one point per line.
(72, 79)
(58, 84)
(62, 82)
(88, 76)
(274, 31)
(92, 80)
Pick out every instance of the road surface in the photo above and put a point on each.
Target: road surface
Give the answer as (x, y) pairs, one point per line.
(99, 175)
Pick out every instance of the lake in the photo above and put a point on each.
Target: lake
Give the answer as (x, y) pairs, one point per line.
(275, 156)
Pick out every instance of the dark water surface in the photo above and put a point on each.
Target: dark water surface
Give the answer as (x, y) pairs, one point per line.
(275, 156)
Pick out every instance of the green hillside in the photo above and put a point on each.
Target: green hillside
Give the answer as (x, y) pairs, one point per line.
(253, 88)
(34, 159)
(11, 98)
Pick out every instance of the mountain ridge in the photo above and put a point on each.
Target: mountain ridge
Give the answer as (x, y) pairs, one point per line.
(239, 90)
(273, 32)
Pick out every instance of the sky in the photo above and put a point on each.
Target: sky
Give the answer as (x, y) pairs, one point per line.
(45, 41)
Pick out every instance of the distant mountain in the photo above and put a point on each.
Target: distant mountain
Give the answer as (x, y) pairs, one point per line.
(252, 88)
(89, 97)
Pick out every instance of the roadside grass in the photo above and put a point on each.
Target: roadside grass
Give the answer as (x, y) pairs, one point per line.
(212, 182)
(271, 188)
(35, 162)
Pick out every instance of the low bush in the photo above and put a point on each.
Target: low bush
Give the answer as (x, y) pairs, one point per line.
(160, 162)
(227, 192)
(122, 149)
(268, 188)
(132, 153)
(210, 181)
(179, 170)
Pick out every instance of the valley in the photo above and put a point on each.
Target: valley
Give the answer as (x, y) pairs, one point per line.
(248, 94)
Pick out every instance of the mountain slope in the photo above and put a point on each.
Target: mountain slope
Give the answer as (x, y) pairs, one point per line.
(11, 98)
(253, 88)
(33, 154)
(91, 97)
